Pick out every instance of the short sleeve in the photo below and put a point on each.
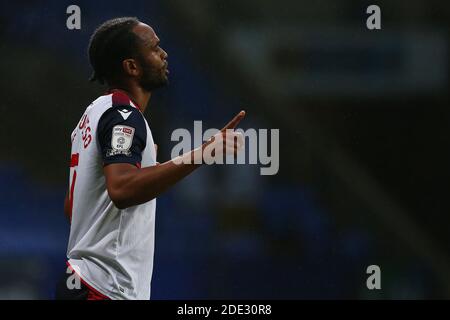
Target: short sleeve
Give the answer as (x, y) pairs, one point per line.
(122, 135)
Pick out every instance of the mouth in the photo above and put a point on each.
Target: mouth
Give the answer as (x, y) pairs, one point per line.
(165, 68)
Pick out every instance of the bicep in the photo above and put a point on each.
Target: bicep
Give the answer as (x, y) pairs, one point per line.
(122, 140)
(116, 174)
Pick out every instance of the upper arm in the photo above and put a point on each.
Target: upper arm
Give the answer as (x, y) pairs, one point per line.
(122, 136)
(115, 173)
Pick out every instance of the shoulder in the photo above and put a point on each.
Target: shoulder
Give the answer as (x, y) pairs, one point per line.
(122, 116)
(109, 104)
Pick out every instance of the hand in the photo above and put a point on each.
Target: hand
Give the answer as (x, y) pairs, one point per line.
(226, 141)
(233, 123)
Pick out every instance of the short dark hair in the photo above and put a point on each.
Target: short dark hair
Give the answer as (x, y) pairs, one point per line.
(111, 43)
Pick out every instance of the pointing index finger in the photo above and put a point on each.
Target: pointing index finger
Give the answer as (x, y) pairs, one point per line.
(233, 123)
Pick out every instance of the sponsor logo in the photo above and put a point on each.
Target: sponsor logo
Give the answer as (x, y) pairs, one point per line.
(121, 140)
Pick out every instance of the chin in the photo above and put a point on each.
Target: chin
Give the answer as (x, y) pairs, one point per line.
(150, 86)
(164, 81)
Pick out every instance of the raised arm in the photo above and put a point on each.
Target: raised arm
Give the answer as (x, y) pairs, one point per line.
(129, 185)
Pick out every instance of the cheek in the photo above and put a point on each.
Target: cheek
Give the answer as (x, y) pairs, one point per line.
(156, 60)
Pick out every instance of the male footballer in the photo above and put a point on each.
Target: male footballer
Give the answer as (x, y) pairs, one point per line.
(114, 175)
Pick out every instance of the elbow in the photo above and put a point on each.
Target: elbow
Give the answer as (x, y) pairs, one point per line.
(124, 198)
(119, 198)
(120, 204)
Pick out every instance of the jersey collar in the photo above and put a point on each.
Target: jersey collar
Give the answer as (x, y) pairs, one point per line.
(121, 97)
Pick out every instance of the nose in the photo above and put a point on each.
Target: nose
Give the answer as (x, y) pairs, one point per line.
(164, 54)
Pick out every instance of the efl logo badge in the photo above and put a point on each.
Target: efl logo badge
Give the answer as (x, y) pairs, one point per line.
(121, 140)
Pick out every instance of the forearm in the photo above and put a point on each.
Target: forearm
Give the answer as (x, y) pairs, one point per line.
(128, 186)
(134, 187)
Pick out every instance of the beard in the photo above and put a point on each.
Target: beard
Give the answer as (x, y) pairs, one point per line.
(152, 78)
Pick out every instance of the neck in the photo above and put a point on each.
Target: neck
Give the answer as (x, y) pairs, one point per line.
(138, 95)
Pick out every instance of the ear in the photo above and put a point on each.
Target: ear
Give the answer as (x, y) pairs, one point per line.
(130, 67)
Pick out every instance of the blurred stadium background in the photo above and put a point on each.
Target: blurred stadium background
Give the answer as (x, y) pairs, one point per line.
(363, 118)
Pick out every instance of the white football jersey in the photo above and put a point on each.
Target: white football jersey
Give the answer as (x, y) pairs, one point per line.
(111, 248)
